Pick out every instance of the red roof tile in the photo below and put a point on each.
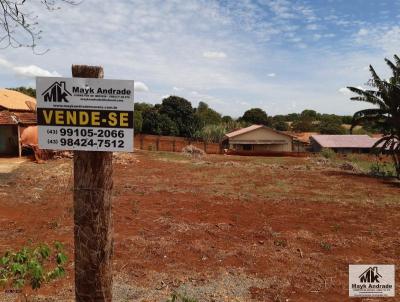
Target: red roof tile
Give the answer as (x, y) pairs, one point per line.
(26, 118)
(7, 118)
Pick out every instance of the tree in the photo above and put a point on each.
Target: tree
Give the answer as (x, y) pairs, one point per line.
(25, 90)
(280, 126)
(137, 121)
(141, 106)
(18, 27)
(386, 113)
(346, 119)
(167, 126)
(310, 114)
(227, 119)
(256, 116)
(331, 126)
(181, 113)
(291, 117)
(304, 124)
(158, 124)
(207, 116)
(279, 122)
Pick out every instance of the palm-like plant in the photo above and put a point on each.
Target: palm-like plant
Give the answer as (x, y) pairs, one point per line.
(386, 113)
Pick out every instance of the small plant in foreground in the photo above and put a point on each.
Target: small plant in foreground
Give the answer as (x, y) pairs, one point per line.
(326, 245)
(32, 267)
(180, 298)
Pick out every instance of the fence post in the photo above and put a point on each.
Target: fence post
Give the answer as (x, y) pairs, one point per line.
(92, 216)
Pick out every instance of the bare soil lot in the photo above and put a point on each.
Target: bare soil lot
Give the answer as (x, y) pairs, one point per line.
(222, 228)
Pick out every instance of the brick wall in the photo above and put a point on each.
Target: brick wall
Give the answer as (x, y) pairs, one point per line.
(171, 143)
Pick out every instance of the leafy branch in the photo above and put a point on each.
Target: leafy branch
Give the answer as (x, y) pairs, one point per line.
(20, 28)
(32, 266)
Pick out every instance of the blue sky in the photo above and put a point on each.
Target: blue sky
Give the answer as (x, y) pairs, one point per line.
(280, 55)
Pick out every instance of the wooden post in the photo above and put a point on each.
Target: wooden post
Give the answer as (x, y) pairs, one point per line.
(92, 216)
(19, 141)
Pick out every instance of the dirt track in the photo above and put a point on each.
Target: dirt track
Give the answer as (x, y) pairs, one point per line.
(221, 229)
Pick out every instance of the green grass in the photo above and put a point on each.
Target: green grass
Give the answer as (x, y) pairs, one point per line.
(369, 163)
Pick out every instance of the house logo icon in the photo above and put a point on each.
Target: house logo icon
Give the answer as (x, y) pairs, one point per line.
(56, 93)
(370, 275)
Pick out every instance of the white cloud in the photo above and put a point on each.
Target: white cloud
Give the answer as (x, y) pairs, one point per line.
(390, 40)
(29, 71)
(272, 75)
(345, 91)
(164, 52)
(363, 32)
(214, 55)
(312, 26)
(141, 87)
(386, 38)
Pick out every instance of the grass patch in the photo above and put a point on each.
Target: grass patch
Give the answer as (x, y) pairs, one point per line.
(175, 297)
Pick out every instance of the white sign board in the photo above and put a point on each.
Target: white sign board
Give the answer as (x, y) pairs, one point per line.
(371, 280)
(85, 114)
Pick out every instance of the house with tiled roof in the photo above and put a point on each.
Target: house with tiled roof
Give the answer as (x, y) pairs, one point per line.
(259, 139)
(17, 112)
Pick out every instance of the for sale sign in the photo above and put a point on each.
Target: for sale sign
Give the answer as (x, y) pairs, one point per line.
(85, 114)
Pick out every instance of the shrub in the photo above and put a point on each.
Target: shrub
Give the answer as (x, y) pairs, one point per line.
(32, 266)
(380, 170)
(328, 153)
(180, 298)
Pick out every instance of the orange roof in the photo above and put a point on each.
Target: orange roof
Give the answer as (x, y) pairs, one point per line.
(304, 137)
(7, 118)
(26, 118)
(14, 118)
(14, 100)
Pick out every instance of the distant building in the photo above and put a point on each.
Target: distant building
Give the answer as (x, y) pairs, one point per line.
(17, 111)
(342, 143)
(301, 140)
(258, 139)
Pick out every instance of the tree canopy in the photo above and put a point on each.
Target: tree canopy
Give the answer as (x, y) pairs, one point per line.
(385, 113)
(182, 114)
(256, 116)
(207, 116)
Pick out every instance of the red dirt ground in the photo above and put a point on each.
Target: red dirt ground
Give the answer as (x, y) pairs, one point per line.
(223, 228)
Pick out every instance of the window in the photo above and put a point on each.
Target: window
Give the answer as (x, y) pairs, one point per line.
(247, 147)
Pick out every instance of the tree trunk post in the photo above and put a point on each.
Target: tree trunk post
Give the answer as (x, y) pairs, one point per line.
(92, 216)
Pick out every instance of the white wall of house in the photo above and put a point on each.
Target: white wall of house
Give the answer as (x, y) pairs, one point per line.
(263, 139)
